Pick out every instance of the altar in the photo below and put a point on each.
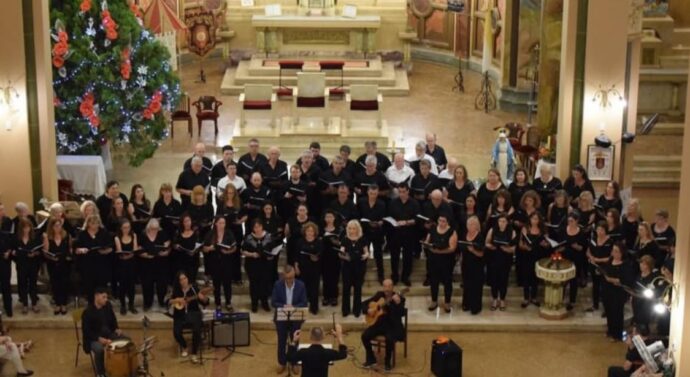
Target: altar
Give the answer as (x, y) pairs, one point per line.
(291, 33)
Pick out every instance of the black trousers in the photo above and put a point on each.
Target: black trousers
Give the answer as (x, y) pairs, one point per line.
(614, 303)
(126, 279)
(59, 281)
(573, 286)
(27, 276)
(596, 287)
(501, 262)
(441, 272)
(184, 262)
(353, 278)
(330, 268)
(378, 329)
(236, 258)
(191, 320)
(473, 284)
(5, 287)
(310, 274)
(222, 278)
(527, 276)
(402, 241)
(377, 240)
(154, 278)
(260, 277)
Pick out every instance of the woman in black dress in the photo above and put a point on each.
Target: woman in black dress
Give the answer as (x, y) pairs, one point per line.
(167, 209)
(486, 192)
(574, 248)
(587, 211)
(219, 247)
(201, 211)
(471, 246)
(330, 262)
(557, 213)
(27, 253)
(643, 307)
(274, 225)
(577, 183)
(457, 191)
(501, 205)
(230, 207)
(646, 245)
(293, 231)
(125, 269)
(598, 254)
(470, 210)
(57, 252)
(547, 185)
(613, 224)
(441, 241)
(154, 263)
(664, 234)
(139, 208)
(531, 247)
(618, 274)
(93, 248)
(308, 265)
(519, 186)
(530, 204)
(500, 242)
(630, 220)
(117, 213)
(258, 260)
(354, 252)
(186, 246)
(610, 199)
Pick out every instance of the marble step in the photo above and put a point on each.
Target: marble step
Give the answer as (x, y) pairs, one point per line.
(256, 67)
(674, 61)
(656, 171)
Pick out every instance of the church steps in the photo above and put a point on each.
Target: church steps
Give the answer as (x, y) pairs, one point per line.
(656, 171)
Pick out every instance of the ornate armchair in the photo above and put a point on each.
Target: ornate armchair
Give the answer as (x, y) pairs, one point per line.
(364, 98)
(181, 113)
(207, 109)
(311, 92)
(257, 97)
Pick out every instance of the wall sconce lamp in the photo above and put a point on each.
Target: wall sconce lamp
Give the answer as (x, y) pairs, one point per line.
(606, 95)
(9, 97)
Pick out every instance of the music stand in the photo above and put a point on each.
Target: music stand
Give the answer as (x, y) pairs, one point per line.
(290, 316)
(232, 349)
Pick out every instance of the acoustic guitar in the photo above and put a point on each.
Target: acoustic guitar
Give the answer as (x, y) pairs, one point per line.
(377, 308)
(180, 303)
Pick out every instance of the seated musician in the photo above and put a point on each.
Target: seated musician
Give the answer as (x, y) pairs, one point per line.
(388, 321)
(99, 328)
(185, 301)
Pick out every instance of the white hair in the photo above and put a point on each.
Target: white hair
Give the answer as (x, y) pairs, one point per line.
(370, 160)
(197, 160)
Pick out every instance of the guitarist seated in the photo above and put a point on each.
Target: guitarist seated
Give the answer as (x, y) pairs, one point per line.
(384, 313)
(185, 301)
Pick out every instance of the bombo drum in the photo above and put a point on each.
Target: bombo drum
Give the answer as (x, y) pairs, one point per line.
(121, 359)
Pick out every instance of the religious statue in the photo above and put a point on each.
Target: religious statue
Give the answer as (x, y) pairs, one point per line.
(502, 156)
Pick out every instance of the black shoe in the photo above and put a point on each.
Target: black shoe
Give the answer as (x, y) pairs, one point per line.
(334, 302)
(388, 368)
(407, 282)
(25, 374)
(265, 306)
(345, 314)
(432, 307)
(133, 310)
(426, 282)
(255, 308)
(569, 307)
(524, 304)
(123, 310)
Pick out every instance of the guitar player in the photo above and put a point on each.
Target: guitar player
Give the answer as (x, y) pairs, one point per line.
(384, 310)
(186, 300)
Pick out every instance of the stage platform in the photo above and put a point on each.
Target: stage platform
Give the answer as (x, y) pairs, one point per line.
(259, 69)
(514, 319)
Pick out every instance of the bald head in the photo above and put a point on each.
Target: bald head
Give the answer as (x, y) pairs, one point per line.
(388, 286)
(399, 160)
(200, 149)
(273, 153)
(436, 197)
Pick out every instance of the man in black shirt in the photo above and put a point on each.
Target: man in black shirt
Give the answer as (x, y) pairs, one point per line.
(402, 236)
(105, 201)
(250, 161)
(315, 359)
(343, 206)
(372, 210)
(6, 242)
(190, 178)
(320, 161)
(219, 170)
(435, 151)
(371, 176)
(99, 328)
(350, 166)
(388, 324)
(633, 360)
(275, 174)
(382, 162)
(331, 179)
(199, 151)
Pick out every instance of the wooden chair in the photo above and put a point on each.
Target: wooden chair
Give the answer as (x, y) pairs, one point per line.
(76, 319)
(379, 343)
(207, 109)
(311, 92)
(257, 97)
(364, 98)
(181, 113)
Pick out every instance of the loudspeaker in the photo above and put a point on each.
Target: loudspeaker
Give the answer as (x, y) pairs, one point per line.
(224, 328)
(446, 359)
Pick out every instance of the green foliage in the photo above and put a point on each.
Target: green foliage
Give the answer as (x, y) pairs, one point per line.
(93, 65)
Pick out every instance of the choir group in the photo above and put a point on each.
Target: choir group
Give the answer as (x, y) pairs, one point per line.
(331, 218)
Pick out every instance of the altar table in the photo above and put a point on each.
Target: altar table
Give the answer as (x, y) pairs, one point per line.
(86, 172)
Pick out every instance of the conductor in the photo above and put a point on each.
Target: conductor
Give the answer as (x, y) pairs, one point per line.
(316, 358)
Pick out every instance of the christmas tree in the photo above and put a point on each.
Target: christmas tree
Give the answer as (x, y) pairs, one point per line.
(112, 79)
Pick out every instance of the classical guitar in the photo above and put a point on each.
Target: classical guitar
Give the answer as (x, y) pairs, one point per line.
(377, 308)
(180, 303)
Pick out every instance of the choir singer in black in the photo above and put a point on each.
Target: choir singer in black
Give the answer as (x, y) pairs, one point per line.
(388, 322)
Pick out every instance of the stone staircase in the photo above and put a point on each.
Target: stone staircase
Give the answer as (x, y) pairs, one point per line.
(656, 171)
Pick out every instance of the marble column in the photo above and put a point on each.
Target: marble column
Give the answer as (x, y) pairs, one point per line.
(566, 87)
(549, 65)
(680, 309)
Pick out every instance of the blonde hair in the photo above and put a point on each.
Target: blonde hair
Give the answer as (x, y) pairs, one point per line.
(588, 197)
(474, 220)
(164, 187)
(153, 223)
(310, 225)
(93, 219)
(198, 191)
(355, 225)
(49, 230)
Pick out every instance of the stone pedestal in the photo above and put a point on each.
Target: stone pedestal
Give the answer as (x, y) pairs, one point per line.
(555, 274)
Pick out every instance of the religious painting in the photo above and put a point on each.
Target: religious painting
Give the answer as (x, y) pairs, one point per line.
(600, 163)
(201, 34)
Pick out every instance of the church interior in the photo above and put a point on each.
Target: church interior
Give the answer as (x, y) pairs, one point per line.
(96, 94)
